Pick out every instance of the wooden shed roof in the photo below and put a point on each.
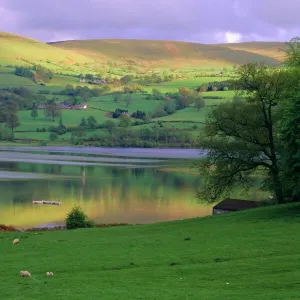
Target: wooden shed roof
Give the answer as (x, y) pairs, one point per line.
(236, 204)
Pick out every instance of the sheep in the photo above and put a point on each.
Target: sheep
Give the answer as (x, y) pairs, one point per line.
(25, 274)
(49, 274)
(15, 241)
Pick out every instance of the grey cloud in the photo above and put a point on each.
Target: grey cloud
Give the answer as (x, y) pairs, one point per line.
(188, 20)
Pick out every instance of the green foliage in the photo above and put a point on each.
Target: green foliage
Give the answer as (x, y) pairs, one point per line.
(241, 136)
(42, 74)
(83, 123)
(52, 109)
(293, 52)
(125, 121)
(92, 122)
(53, 136)
(199, 103)
(34, 112)
(24, 72)
(110, 125)
(76, 218)
(60, 129)
(117, 113)
(290, 138)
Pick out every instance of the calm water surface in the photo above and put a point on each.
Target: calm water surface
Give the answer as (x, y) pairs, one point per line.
(112, 185)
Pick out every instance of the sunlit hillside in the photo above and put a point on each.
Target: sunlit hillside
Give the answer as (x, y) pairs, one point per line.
(92, 56)
(17, 50)
(170, 53)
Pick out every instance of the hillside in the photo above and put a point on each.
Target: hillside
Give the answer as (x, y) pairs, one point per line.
(245, 255)
(175, 54)
(94, 55)
(269, 49)
(17, 50)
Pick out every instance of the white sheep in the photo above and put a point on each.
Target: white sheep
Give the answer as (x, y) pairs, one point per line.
(49, 274)
(15, 241)
(25, 274)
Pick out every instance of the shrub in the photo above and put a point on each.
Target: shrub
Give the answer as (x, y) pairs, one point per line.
(7, 228)
(76, 218)
(225, 88)
(53, 136)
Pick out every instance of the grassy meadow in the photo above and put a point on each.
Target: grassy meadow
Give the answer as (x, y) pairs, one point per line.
(245, 255)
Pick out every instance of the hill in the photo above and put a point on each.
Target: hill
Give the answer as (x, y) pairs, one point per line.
(176, 54)
(18, 50)
(94, 55)
(245, 255)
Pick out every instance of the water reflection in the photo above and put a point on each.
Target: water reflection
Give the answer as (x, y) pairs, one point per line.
(108, 194)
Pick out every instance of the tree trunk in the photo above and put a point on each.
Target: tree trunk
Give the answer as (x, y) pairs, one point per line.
(277, 186)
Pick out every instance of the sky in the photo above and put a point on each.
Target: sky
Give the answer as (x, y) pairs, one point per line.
(209, 21)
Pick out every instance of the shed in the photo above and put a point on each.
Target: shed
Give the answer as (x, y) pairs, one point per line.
(229, 205)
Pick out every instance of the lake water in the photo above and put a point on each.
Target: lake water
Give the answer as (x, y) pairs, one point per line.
(112, 185)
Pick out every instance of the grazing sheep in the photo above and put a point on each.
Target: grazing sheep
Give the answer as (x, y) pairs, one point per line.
(15, 241)
(25, 274)
(49, 274)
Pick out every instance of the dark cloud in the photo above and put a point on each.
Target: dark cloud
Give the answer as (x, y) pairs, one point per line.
(189, 20)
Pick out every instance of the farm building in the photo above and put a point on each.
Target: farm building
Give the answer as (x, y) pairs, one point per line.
(229, 205)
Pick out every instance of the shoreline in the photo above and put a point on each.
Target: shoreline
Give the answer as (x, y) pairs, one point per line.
(10, 228)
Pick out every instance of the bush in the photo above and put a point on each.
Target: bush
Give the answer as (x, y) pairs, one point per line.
(53, 136)
(225, 88)
(76, 218)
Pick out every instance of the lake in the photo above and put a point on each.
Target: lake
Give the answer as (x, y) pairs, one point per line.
(112, 185)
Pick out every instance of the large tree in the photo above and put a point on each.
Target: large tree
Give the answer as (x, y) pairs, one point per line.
(241, 136)
(290, 138)
(290, 129)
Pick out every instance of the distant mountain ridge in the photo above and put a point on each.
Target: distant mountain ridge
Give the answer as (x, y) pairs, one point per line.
(91, 55)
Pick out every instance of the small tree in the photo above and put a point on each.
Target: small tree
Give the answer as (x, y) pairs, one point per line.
(52, 110)
(128, 100)
(125, 121)
(76, 218)
(83, 122)
(12, 121)
(92, 122)
(53, 136)
(199, 103)
(110, 125)
(34, 112)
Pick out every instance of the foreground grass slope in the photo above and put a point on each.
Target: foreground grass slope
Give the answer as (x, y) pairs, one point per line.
(249, 255)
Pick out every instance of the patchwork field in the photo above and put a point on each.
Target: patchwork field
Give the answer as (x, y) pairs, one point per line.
(192, 64)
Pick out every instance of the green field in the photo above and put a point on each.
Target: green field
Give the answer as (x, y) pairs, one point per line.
(247, 255)
(195, 64)
(183, 119)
